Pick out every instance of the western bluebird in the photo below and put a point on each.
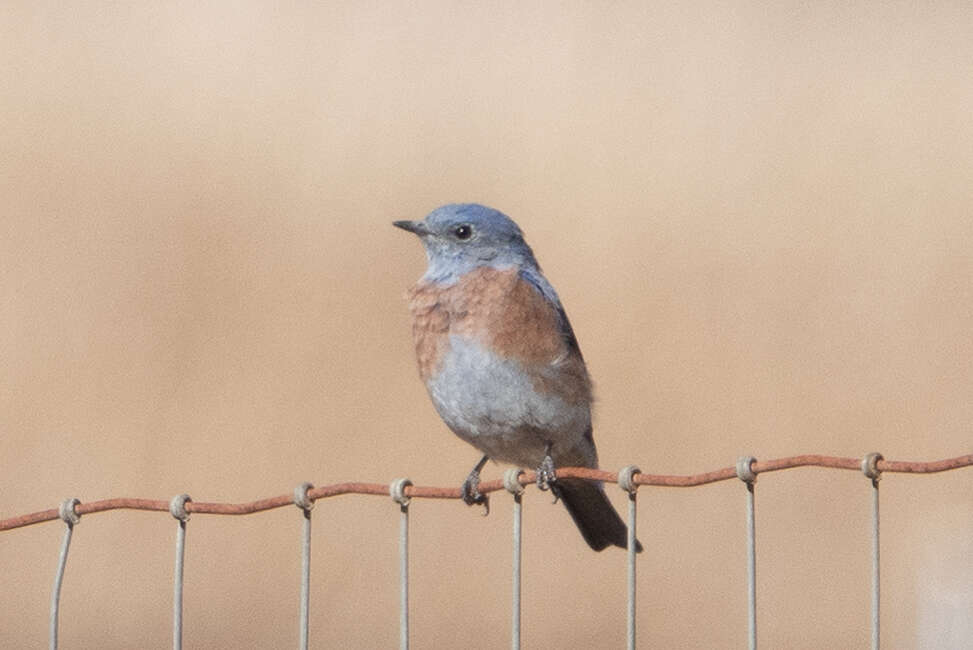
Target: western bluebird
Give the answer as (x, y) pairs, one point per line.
(500, 360)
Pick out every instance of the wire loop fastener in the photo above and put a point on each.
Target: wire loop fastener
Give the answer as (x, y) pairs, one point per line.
(745, 469)
(177, 507)
(511, 481)
(870, 465)
(397, 491)
(68, 512)
(301, 499)
(626, 478)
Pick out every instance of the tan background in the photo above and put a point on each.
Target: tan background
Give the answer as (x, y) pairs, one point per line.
(757, 215)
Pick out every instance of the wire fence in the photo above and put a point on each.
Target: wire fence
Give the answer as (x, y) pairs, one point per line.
(402, 491)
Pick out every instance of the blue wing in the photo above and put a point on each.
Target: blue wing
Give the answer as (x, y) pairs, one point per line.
(540, 283)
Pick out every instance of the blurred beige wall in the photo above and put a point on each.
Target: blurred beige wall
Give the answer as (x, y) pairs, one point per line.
(758, 216)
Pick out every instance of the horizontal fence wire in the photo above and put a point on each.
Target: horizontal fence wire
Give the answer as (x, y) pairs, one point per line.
(528, 477)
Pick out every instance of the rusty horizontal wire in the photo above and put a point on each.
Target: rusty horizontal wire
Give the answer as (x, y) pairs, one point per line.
(431, 492)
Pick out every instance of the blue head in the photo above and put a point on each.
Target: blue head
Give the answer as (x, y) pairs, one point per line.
(464, 236)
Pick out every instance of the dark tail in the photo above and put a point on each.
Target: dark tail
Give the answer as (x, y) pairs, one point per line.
(593, 514)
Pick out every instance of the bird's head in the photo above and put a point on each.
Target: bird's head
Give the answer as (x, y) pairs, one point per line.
(461, 237)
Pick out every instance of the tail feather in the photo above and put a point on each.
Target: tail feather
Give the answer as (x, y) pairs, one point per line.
(594, 514)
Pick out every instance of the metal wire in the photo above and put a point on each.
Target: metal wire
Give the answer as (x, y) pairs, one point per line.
(515, 579)
(177, 587)
(511, 481)
(869, 467)
(177, 508)
(428, 492)
(626, 481)
(404, 573)
(632, 550)
(751, 571)
(58, 579)
(305, 580)
(876, 578)
(68, 513)
(747, 474)
(402, 491)
(302, 501)
(397, 491)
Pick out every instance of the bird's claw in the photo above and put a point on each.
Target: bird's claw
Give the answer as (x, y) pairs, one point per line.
(471, 493)
(547, 477)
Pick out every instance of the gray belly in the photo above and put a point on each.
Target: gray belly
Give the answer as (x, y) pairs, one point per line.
(492, 404)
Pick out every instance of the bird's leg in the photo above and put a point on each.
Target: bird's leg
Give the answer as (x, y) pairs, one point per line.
(471, 488)
(547, 474)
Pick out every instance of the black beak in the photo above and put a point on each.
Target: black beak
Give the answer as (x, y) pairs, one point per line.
(416, 227)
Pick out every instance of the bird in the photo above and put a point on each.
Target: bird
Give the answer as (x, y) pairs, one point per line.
(501, 362)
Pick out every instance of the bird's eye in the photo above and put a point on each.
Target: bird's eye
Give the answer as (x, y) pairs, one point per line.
(464, 231)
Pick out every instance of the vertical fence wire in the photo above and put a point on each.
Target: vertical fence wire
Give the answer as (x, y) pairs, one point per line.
(177, 508)
(305, 581)
(511, 481)
(876, 578)
(302, 501)
(397, 491)
(404, 573)
(58, 579)
(625, 481)
(746, 474)
(870, 469)
(632, 592)
(177, 587)
(515, 586)
(70, 517)
(751, 570)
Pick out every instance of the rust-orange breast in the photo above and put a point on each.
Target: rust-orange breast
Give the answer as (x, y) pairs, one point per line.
(506, 314)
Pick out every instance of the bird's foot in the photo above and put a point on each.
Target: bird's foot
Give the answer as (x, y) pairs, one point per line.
(547, 476)
(471, 492)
